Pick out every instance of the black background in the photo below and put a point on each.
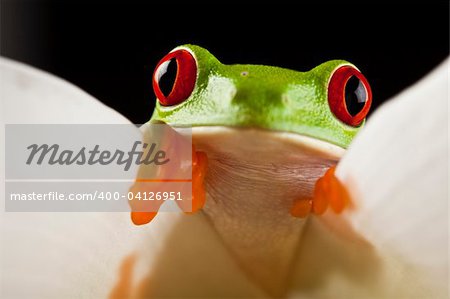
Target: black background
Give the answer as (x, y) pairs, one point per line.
(110, 50)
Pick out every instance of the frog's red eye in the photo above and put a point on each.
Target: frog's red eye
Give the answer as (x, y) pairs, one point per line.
(349, 95)
(174, 77)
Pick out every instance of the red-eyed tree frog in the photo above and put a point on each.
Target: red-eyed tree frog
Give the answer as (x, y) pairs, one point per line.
(268, 131)
(266, 141)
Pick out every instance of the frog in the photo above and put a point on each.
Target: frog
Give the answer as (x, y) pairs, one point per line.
(266, 141)
(324, 108)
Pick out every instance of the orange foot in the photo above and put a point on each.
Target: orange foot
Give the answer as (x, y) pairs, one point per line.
(328, 191)
(199, 167)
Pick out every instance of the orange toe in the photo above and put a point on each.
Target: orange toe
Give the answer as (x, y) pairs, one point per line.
(140, 218)
(301, 208)
(328, 192)
(343, 194)
(338, 195)
(331, 191)
(199, 168)
(337, 203)
(320, 199)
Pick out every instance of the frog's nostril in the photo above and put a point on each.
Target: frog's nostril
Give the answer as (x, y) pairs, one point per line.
(285, 100)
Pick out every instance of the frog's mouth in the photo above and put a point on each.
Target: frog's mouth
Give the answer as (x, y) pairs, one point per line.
(203, 135)
(253, 178)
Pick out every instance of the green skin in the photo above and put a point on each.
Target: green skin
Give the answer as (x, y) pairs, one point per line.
(259, 96)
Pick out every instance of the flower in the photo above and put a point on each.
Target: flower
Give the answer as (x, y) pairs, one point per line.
(392, 244)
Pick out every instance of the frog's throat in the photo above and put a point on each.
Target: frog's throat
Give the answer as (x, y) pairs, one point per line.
(253, 178)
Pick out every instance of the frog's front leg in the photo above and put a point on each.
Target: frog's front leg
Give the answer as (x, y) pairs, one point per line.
(328, 192)
(199, 168)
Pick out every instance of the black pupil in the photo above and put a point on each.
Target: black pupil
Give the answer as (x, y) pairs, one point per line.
(168, 74)
(355, 95)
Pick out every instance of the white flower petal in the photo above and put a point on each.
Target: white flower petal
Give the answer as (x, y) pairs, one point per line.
(399, 167)
(78, 255)
(396, 170)
(52, 255)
